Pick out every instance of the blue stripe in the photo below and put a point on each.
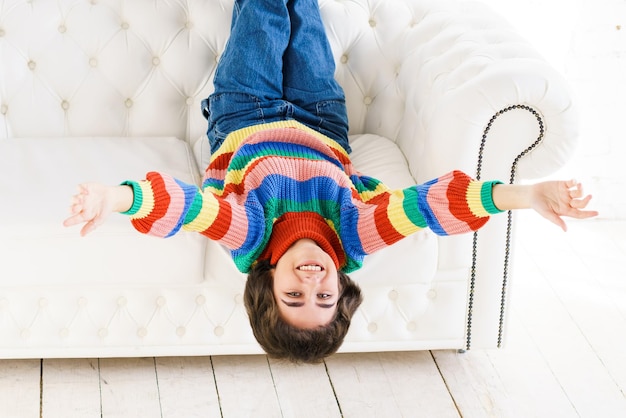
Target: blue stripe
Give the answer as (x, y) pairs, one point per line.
(426, 210)
(190, 192)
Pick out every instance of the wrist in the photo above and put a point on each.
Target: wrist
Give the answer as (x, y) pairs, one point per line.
(509, 196)
(123, 197)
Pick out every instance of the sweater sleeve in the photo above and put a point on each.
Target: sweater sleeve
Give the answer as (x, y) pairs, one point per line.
(451, 204)
(163, 205)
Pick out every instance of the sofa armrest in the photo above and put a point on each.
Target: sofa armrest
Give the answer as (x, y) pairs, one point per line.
(466, 66)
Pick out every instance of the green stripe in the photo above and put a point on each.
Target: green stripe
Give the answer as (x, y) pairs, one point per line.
(411, 209)
(137, 197)
(486, 197)
(194, 209)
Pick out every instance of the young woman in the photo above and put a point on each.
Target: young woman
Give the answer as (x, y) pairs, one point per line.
(281, 193)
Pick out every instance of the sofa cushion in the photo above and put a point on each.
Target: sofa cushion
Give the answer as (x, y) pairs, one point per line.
(39, 177)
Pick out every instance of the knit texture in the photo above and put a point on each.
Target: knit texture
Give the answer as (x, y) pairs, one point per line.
(262, 175)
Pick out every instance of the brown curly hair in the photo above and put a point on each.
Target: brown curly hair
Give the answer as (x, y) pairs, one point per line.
(281, 340)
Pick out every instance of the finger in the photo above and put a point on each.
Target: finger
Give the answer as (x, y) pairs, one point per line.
(580, 203)
(555, 219)
(73, 220)
(577, 192)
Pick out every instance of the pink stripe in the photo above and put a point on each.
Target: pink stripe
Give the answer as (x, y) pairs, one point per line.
(438, 201)
(166, 224)
(366, 227)
(294, 169)
(238, 228)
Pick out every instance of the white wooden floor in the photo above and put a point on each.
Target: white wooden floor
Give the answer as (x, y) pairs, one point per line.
(565, 357)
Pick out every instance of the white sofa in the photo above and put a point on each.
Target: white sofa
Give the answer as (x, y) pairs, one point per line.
(106, 90)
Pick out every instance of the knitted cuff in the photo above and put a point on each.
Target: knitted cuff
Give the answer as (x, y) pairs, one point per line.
(486, 196)
(137, 197)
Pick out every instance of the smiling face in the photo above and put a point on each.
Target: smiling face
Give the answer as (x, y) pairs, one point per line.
(306, 285)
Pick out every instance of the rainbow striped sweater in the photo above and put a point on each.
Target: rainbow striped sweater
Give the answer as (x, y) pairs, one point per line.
(269, 185)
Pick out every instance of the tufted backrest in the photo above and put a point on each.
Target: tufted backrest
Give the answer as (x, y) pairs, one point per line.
(141, 68)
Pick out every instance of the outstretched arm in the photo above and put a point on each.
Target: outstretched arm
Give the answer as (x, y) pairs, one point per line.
(551, 199)
(94, 202)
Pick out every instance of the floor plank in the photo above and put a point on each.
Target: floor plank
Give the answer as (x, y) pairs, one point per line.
(20, 388)
(389, 385)
(511, 382)
(71, 388)
(580, 332)
(304, 390)
(187, 387)
(245, 386)
(129, 388)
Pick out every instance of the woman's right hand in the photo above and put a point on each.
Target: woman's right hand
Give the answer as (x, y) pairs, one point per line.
(94, 202)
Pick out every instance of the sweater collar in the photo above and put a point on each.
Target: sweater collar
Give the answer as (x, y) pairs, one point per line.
(293, 226)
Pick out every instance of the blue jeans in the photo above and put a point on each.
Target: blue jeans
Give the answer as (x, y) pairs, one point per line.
(277, 66)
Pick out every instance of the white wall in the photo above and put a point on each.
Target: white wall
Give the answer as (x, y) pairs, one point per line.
(586, 41)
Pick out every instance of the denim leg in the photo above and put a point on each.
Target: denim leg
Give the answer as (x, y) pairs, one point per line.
(248, 80)
(252, 61)
(277, 65)
(309, 74)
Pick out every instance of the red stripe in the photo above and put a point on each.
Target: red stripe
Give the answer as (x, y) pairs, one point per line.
(161, 203)
(221, 162)
(221, 225)
(457, 198)
(384, 227)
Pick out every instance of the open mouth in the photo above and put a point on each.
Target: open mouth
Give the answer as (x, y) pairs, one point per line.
(310, 267)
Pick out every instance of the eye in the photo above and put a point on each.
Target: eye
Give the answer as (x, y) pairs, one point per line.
(294, 294)
(324, 295)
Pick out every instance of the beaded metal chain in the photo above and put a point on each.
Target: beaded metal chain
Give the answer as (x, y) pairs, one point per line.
(505, 276)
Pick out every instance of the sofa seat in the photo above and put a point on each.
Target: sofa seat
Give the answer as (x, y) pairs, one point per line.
(116, 284)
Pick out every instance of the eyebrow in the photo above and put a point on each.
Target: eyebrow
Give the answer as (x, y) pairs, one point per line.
(301, 304)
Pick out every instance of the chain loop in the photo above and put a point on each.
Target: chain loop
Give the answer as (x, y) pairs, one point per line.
(505, 273)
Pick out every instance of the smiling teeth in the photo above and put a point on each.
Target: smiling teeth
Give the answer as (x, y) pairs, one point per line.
(310, 268)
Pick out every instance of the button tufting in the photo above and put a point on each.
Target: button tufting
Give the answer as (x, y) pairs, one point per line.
(181, 331)
(32, 65)
(372, 327)
(189, 101)
(125, 26)
(64, 333)
(161, 302)
(393, 295)
(4, 109)
(93, 62)
(25, 334)
(189, 25)
(2, 32)
(372, 23)
(344, 58)
(219, 331)
(128, 103)
(103, 332)
(142, 332)
(367, 100)
(94, 2)
(200, 300)
(156, 61)
(65, 105)
(3, 304)
(238, 298)
(121, 301)
(82, 302)
(432, 294)
(43, 302)
(62, 28)
(411, 326)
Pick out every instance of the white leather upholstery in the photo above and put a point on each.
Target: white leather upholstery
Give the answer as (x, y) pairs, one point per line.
(109, 89)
